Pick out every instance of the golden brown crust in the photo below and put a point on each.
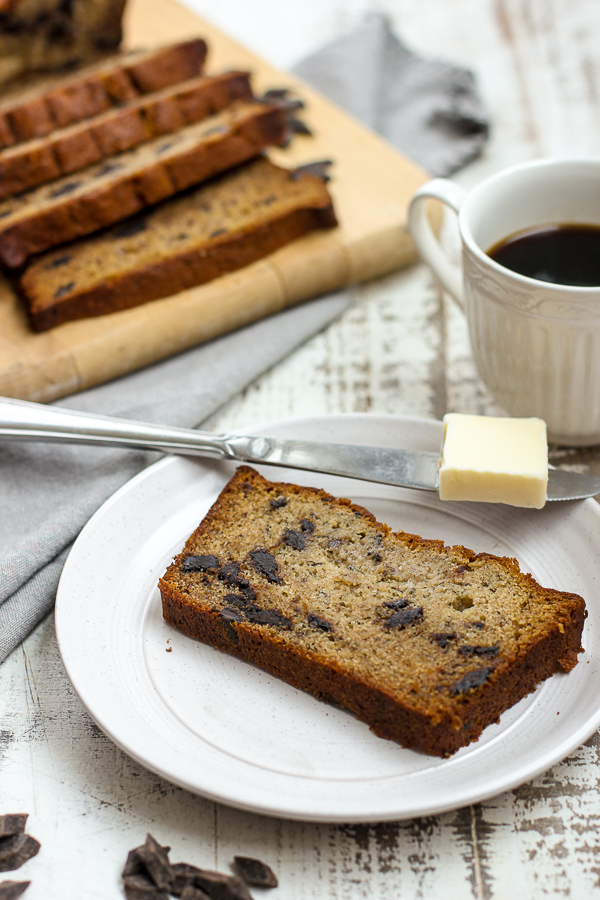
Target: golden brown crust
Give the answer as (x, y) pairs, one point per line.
(438, 690)
(138, 267)
(102, 195)
(66, 150)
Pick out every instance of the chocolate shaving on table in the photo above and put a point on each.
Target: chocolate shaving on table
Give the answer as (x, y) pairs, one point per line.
(12, 823)
(255, 872)
(297, 126)
(215, 885)
(155, 860)
(141, 887)
(318, 168)
(16, 850)
(193, 893)
(10, 890)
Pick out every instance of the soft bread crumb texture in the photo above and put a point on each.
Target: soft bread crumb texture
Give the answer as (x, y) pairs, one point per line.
(494, 460)
(427, 644)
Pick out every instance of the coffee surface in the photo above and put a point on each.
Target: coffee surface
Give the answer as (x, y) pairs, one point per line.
(560, 254)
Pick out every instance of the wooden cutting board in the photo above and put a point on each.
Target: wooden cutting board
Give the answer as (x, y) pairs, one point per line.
(371, 187)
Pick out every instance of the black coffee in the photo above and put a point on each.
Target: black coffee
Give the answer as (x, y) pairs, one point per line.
(561, 254)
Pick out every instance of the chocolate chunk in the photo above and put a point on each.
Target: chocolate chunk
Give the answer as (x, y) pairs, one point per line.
(140, 887)
(64, 289)
(298, 126)
(255, 872)
(239, 600)
(216, 129)
(232, 615)
(164, 147)
(216, 885)
(405, 617)
(278, 502)
(193, 893)
(129, 228)
(443, 638)
(16, 850)
(59, 261)
(230, 573)
(219, 231)
(267, 617)
(133, 864)
(471, 680)
(10, 890)
(318, 168)
(317, 622)
(67, 188)
(5, 213)
(294, 539)
(12, 823)
(468, 650)
(108, 168)
(307, 525)
(401, 603)
(265, 563)
(155, 860)
(201, 563)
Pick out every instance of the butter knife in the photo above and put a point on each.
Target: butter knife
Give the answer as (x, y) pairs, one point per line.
(21, 420)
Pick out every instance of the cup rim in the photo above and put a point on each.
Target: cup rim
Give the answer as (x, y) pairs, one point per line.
(482, 256)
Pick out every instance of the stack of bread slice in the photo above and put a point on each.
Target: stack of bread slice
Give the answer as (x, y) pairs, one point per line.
(141, 176)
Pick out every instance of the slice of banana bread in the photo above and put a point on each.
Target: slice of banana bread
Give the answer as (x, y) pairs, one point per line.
(37, 107)
(48, 34)
(78, 204)
(221, 226)
(427, 644)
(66, 150)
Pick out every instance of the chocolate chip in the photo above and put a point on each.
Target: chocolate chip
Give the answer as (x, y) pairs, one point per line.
(401, 603)
(443, 638)
(294, 539)
(10, 890)
(63, 289)
(258, 616)
(219, 231)
(200, 563)
(239, 600)
(317, 622)
(216, 129)
(278, 502)
(307, 525)
(471, 680)
(232, 615)
(230, 573)
(108, 168)
(5, 213)
(129, 228)
(265, 563)
(255, 872)
(59, 261)
(16, 850)
(298, 126)
(164, 147)
(405, 617)
(468, 650)
(67, 188)
(12, 823)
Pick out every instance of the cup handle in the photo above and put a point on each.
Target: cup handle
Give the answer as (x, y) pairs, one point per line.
(430, 249)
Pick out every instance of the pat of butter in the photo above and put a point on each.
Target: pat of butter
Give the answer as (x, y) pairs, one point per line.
(494, 460)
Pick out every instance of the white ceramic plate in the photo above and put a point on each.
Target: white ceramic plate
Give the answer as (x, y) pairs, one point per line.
(225, 730)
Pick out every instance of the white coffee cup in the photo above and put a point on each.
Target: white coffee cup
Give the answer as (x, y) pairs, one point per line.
(536, 344)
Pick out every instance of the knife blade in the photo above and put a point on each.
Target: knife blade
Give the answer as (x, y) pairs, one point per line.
(415, 469)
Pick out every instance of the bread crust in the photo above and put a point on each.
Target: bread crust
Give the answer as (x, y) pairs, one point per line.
(439, 726)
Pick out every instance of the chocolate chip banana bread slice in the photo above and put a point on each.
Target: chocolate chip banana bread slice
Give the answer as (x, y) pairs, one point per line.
(66, 150)
(36, 107)
(427, 644)
(189, 240)
(79, 204)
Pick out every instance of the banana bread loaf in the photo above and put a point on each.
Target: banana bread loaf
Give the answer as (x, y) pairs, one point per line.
(66, 150)
(221, 226)
(427, 644)
(34, 109)
(121, 186)
(49, 34)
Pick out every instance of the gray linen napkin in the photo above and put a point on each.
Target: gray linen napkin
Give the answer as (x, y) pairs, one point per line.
(48, 492)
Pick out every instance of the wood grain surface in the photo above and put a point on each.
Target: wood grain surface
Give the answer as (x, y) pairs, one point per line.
(371, 187)
(403, 348)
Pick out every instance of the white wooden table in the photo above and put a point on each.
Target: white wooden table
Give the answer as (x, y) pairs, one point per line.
(401, 349)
